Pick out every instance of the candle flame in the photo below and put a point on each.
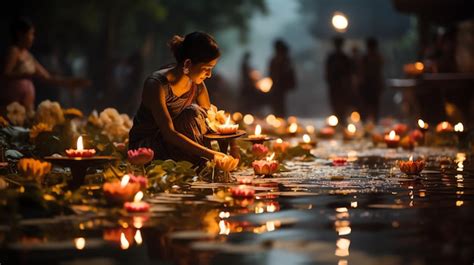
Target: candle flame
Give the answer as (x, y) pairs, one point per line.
(270, 158)
(411, 158)
(444, 124)
(355, 116)
(125, 180)
(258, 130)
(124, 244)
(332, 120)
(138, 197)
(138, 237)
(80, 243)
(459, 127)
(80, 145)
(392, 135)
(421, 123)
(419, 66)
(351, 128)
(306, 138)
(279, 141)
(339, 21)
(293, 128)
(227, 121)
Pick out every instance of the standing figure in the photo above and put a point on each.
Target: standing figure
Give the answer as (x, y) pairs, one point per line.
(338, 77)
(372, 80)
(283, 76)
(21, 68)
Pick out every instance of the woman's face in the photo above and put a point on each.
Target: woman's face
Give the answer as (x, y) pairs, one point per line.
(201, 71)
(27, 38)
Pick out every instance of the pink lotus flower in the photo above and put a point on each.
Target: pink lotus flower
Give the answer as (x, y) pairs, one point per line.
(264, 167)
(143, 181)
(259, 150)
(140, 156)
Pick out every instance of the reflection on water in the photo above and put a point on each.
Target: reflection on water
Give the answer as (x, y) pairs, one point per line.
(365, 212)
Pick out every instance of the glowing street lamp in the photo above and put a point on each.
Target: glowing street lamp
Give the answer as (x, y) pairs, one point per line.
(340, 22)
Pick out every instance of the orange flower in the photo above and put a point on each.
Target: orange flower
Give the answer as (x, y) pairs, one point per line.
(3, 122)
(412, 167)
(33, 169)
(73, 113)
(39, 128)
(227, 163)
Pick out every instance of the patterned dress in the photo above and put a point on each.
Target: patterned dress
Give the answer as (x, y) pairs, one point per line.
(188, 119)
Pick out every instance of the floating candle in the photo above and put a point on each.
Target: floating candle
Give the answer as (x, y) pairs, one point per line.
(265, 167)
(392, 139)
(411, 167)
(137, 205)
(258, 133)
(227, 127)
(80, 151)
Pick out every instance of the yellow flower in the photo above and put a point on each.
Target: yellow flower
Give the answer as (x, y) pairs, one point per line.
(227, 163)
(33, 169)
(3, 122)
(39, 128)
(73, 113)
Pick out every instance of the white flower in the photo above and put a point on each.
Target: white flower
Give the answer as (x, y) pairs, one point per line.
(50, 113)
(115, 132)
(16, 113)
(127, 122)
(110, 115)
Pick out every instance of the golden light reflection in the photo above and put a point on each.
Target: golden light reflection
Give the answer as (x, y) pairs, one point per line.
(310, 129)
(248, 119)
(223, 215)
(419, 66)
(459, 203)
(343, 231)
(459, 127)
(270, 226)
(224, 227)
(138, 221)
(341, 210)
(342, 262)
(124, 244)
(80, 243)
(354, 204)
(342, 247)
(138, 237)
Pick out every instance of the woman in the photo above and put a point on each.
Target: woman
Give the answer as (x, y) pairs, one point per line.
(171, 116)
(21, 67)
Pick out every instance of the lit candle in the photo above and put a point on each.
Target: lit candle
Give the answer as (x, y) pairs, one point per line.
(350, 132)
(227, 127)
(327, 132)
(423, 125)
(444, 127)
(332, 121)
(411, 167)
(265, 167)
(80, 151)
(392, 139)
(242, 191)
(137, 205)
(280, 146)
(258, 133)
(307, 144)
(339, 161)
(118, 192)
(293, 128)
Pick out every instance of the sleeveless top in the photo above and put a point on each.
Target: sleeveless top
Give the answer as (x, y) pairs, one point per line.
(144, 124)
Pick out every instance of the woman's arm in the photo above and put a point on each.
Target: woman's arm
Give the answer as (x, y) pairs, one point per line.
(153, 92)
(203, 98)
(45, 76)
